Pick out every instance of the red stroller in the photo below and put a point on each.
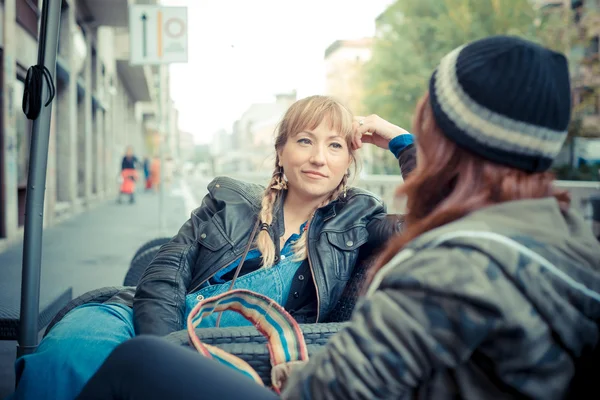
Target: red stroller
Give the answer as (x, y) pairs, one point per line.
(128, 178)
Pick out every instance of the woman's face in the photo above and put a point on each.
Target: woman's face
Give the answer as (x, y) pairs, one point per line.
(314, 162)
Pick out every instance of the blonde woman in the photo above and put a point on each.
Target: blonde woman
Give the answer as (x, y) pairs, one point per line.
(296, 241)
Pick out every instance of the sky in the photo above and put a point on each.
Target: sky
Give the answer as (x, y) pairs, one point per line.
(245, 51)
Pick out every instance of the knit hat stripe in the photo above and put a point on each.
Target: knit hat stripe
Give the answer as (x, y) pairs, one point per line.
(486, 126)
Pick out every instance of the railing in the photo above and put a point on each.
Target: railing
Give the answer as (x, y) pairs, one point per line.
(581, 192)
(385, 187)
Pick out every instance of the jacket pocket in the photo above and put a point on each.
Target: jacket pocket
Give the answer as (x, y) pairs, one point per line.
(345, 247)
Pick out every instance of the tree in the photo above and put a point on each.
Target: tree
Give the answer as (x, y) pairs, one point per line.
(413, 35)
(571, 28)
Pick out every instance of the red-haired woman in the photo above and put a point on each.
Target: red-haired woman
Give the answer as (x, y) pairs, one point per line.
(492, 291)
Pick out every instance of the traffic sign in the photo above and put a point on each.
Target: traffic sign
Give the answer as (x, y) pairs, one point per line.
(158, 35)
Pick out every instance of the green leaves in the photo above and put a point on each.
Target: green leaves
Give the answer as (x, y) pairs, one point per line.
(413, 35)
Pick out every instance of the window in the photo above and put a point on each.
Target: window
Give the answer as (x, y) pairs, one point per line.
(28, 13)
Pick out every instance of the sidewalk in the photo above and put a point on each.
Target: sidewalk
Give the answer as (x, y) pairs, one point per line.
(89, 251)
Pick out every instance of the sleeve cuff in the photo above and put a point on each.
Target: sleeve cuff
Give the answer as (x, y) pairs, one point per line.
(399, 143)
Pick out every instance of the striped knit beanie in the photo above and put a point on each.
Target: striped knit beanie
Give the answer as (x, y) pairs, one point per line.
(505, 99)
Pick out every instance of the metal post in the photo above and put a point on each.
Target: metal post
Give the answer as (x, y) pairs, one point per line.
(36, 185)
(595, 203)
(161, 149)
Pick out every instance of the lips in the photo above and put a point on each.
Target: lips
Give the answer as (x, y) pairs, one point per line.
(315, 174)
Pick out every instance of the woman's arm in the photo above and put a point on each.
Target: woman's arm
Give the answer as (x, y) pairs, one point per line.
(383, 134)
(403, 148)
(159, 302)
(381, 229)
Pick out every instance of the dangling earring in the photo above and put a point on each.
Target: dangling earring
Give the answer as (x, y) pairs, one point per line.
(345, 189)
(282, 177)
(280, 184)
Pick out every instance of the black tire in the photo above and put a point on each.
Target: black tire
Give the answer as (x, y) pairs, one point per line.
(152, 243)
(95, 296)
(249, 345)
(138, 266)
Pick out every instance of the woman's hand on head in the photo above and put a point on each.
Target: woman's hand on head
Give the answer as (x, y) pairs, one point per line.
(375, 130)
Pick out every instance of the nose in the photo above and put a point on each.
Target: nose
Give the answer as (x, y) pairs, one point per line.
(317, 156)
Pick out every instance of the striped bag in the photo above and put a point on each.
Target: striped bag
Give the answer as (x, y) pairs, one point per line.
(285, 340)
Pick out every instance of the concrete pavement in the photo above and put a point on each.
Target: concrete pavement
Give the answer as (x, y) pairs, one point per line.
(90, 251)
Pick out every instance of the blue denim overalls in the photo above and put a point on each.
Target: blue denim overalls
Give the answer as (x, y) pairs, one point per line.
(274, 282)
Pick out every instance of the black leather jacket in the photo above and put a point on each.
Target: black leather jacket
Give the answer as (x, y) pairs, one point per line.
(218, 232)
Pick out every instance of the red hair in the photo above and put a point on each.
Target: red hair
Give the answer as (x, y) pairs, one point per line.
(450, 182)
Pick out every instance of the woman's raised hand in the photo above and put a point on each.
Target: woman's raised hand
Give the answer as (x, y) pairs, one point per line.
(375, 130)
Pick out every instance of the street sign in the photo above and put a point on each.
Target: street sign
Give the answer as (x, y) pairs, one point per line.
(158, 35)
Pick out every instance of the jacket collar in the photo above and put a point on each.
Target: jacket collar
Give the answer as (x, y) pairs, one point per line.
(329, 211)
(326, 212)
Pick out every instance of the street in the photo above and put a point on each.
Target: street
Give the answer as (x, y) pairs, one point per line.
(92, 250)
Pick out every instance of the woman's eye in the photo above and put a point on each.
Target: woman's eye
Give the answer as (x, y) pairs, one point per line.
(336, 145)
(304, 141)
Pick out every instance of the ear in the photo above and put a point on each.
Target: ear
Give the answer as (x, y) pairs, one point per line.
(279, 159)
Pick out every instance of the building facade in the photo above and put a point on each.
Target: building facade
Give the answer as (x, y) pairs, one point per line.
(95, 114)
(249, 147)
(344, 79)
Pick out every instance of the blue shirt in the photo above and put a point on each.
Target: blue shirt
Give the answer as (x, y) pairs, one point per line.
(286, 252)
(399, 143)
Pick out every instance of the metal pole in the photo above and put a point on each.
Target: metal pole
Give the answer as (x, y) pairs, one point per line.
(36, 185)
(161, 150)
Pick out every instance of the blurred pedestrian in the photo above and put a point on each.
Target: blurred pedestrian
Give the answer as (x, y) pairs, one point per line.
(155, 173)
(129, 175)
(147, 173)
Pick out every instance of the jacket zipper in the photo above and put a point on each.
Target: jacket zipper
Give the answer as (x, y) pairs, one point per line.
(311, 267)
(312, 272)
(214, 273)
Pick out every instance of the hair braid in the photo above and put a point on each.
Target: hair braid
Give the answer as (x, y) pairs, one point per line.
(300, 245)
(264, 241)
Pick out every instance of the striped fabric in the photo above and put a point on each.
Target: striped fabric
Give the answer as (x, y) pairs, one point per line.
(285, 340)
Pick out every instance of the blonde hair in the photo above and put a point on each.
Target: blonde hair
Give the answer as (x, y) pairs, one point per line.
(305, 114)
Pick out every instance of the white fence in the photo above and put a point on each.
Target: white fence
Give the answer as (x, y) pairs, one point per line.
(385, 187)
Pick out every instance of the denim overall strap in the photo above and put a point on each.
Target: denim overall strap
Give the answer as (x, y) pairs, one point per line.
(274, 282)
(285, 339)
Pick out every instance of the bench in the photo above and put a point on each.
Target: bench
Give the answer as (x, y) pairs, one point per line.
(10, 316)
